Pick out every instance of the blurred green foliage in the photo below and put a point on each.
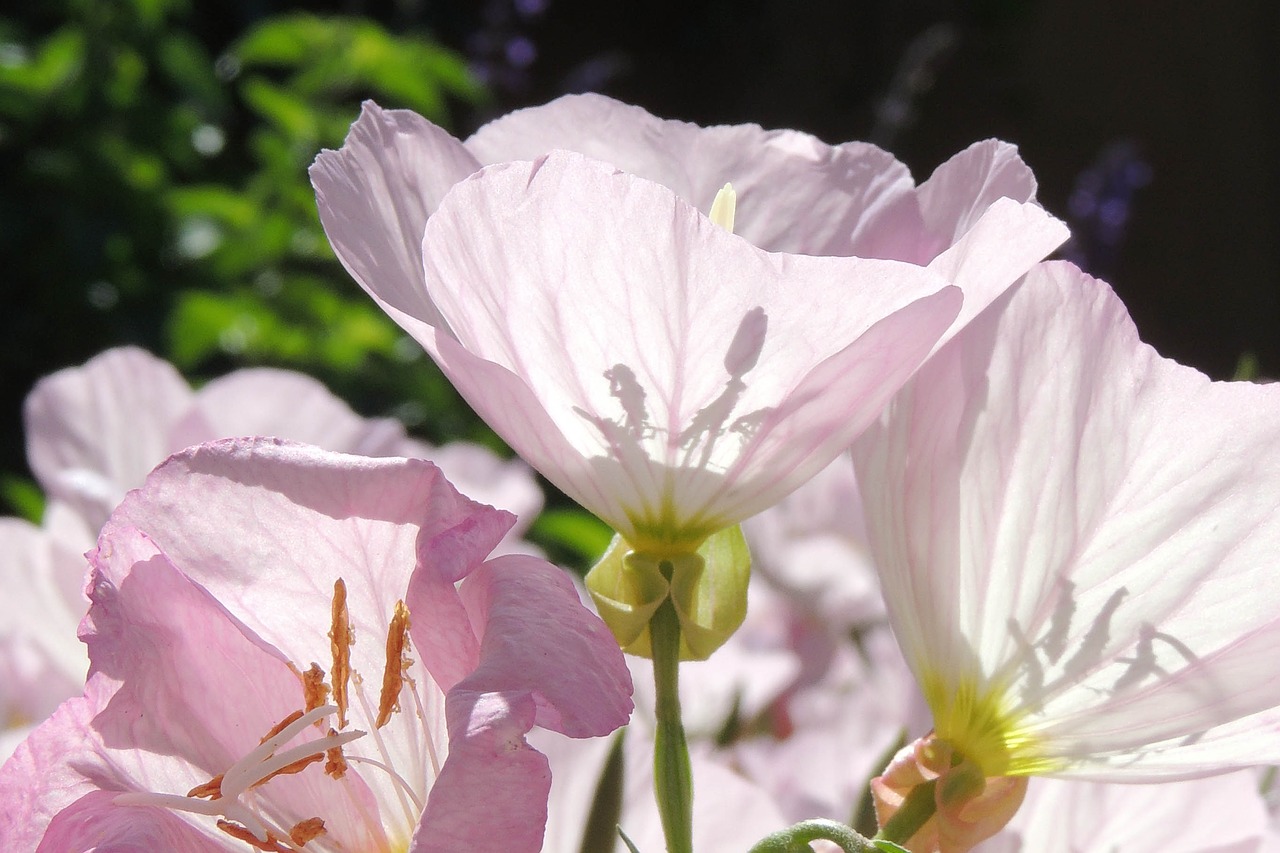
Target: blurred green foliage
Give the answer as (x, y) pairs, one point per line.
(156, 193)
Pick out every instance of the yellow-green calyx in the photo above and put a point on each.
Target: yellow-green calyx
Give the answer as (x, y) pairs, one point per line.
(707, 586)
(981, 725)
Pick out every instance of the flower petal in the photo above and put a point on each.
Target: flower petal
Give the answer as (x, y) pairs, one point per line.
(285, 404)
(1225, 813)
(94, 431)
(41, 663)
(1061, 514)
(537, 638)
(375, 195)
(302, 518)
(795, 193)
(491, 756)
(635, 351)
(95, 822)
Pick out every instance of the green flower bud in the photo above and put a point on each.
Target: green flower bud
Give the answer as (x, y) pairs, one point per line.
(708, 589)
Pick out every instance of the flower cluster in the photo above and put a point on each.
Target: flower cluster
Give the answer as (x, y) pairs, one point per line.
(996, 536)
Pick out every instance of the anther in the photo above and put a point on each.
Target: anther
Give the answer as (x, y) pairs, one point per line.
(397, 663)
(240, 833)
(314, 690)
(305, 830)
(340, 640)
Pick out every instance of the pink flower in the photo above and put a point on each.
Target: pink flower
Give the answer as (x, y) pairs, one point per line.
(95, 431)
(1216, 815)
(671, 377)
(813, 546)
(1077, 543)
(219, 588)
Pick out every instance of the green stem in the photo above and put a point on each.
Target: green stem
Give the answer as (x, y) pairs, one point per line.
(672, 780)
(797, 838)
(916, 809)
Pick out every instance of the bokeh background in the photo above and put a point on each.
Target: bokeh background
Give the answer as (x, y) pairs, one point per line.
(153, 156)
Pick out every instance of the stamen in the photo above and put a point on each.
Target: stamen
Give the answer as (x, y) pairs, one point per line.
(397, 663)
(241, 775)
(382, 749)
(395, 777)
(296, 759)
(724, 207)
(259, 766)
(235, 830)
(211, 789)
(336, 763)
(314, 691)
(282, 725)
(305, 830)
(340, 640)
(422, 715)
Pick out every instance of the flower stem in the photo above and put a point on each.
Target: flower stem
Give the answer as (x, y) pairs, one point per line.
(797, 838)
(672, 780)
(917, 808)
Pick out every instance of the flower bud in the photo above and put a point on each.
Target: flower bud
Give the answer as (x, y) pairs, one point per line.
(708, 589)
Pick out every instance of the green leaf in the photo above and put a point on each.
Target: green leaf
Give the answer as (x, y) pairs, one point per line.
(281, 107)
(24, 496)
(573, 529)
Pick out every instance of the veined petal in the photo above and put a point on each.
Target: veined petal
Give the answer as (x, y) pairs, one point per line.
(463, 813)
(795, 193)
(993, 252)
(672, 352)
(303, 518)
(95, 822)
(539, 639)
(1219, 815)
(1076, 537)
(374, 197)
(958, 193)
(197, 686)
(935, 215)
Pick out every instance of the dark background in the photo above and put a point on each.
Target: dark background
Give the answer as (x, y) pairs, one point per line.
(1152, 128)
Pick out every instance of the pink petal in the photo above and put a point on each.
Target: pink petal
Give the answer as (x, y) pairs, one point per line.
(1005, 241)
(37, 781)
(795, 193)
(41, 663)
(167, 643)
(492, 757)
(481, 474)
(284, 404)
(1059, 509)
(539, 638)
(196, 687)
(95, 823)
(1217, 815)
(375, 195)
(663, 290)
(94, 431)
(304, 517)
(935, 215)
(960, 191)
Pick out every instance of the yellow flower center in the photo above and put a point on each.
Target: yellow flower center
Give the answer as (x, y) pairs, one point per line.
(981, 724)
